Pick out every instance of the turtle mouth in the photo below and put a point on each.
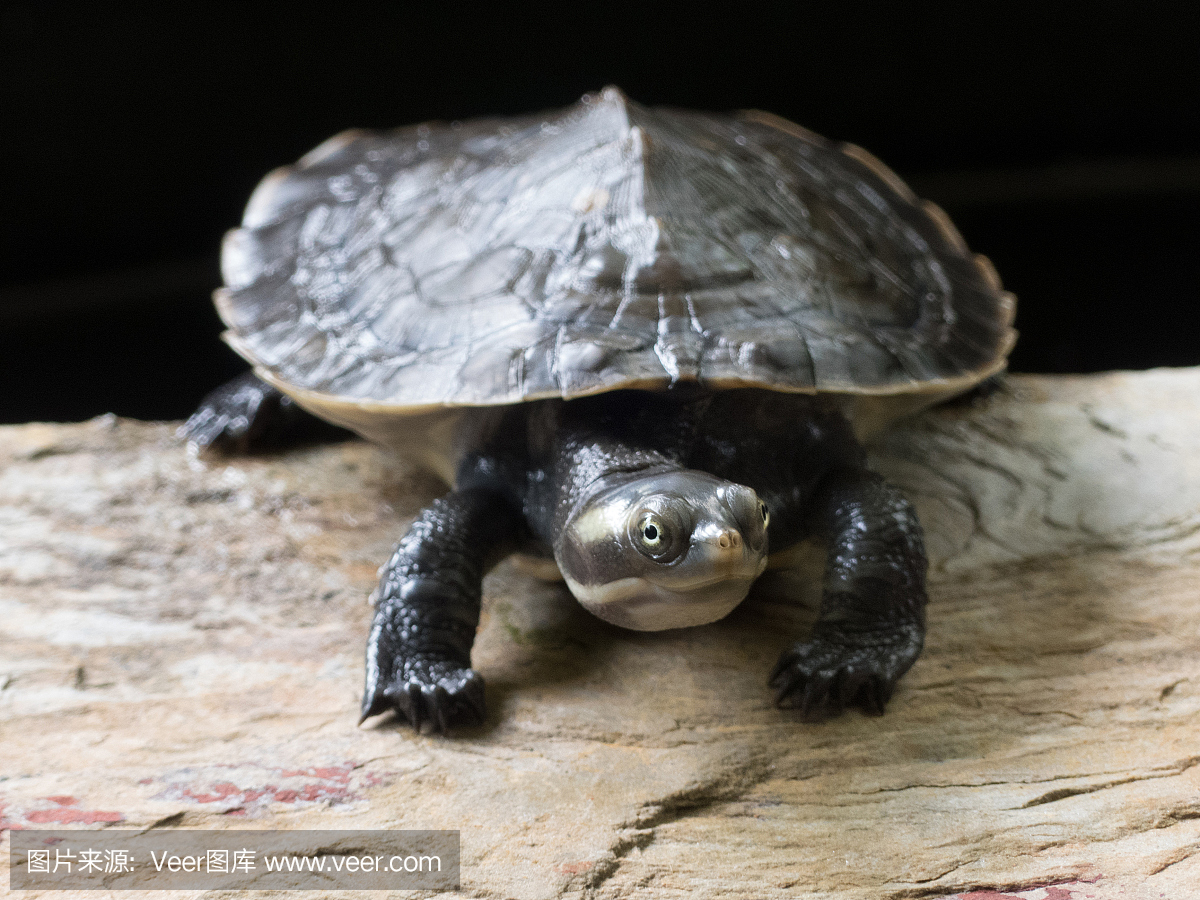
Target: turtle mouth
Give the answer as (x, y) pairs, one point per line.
(732, 572)
(643, 605)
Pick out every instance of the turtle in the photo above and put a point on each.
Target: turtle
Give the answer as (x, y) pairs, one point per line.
(643, 345)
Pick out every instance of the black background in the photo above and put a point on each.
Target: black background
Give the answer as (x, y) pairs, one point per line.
(1063, 139)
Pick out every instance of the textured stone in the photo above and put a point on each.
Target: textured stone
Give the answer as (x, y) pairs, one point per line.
(181, 642)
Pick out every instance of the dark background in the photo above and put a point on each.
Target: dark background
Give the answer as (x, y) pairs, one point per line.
(1064, 140)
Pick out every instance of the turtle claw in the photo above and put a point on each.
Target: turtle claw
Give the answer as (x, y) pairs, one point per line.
(246, 414)
(431, 695)
(232, 417)
(837, 669)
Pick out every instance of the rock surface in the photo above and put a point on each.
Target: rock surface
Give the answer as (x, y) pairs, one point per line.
(181, 643)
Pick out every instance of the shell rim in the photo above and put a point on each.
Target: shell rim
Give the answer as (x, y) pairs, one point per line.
(941, 387)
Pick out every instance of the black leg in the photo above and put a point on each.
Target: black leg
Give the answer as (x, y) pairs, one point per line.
(246, 414)
(419, 649)
(872, 622)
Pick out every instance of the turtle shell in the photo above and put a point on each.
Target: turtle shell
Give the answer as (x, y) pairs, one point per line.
(601, 247)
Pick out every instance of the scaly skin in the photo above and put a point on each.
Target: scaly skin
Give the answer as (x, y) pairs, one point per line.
(419, 648)
(871, 626)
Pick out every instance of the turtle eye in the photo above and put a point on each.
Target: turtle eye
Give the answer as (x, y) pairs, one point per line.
(653, 532)
(658, 534)
(765, 513)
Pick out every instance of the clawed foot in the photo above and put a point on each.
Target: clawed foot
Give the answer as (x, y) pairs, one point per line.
(432, 695)
(837, 668)
(246, 414)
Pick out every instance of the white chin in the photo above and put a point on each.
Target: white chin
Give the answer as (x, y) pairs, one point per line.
(643, 606)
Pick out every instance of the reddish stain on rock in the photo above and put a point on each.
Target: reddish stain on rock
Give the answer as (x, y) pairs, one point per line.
(215, 793)
(1061, 891)
(65, 812)
(72, 816)
(254, 785)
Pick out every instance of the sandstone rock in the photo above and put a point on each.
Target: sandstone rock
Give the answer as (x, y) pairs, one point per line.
(181, 643)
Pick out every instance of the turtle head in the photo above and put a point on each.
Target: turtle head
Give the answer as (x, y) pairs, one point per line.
(664, 550)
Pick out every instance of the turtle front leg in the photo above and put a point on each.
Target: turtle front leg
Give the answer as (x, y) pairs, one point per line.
(247, 414)
(419, 648)
(872, 621)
